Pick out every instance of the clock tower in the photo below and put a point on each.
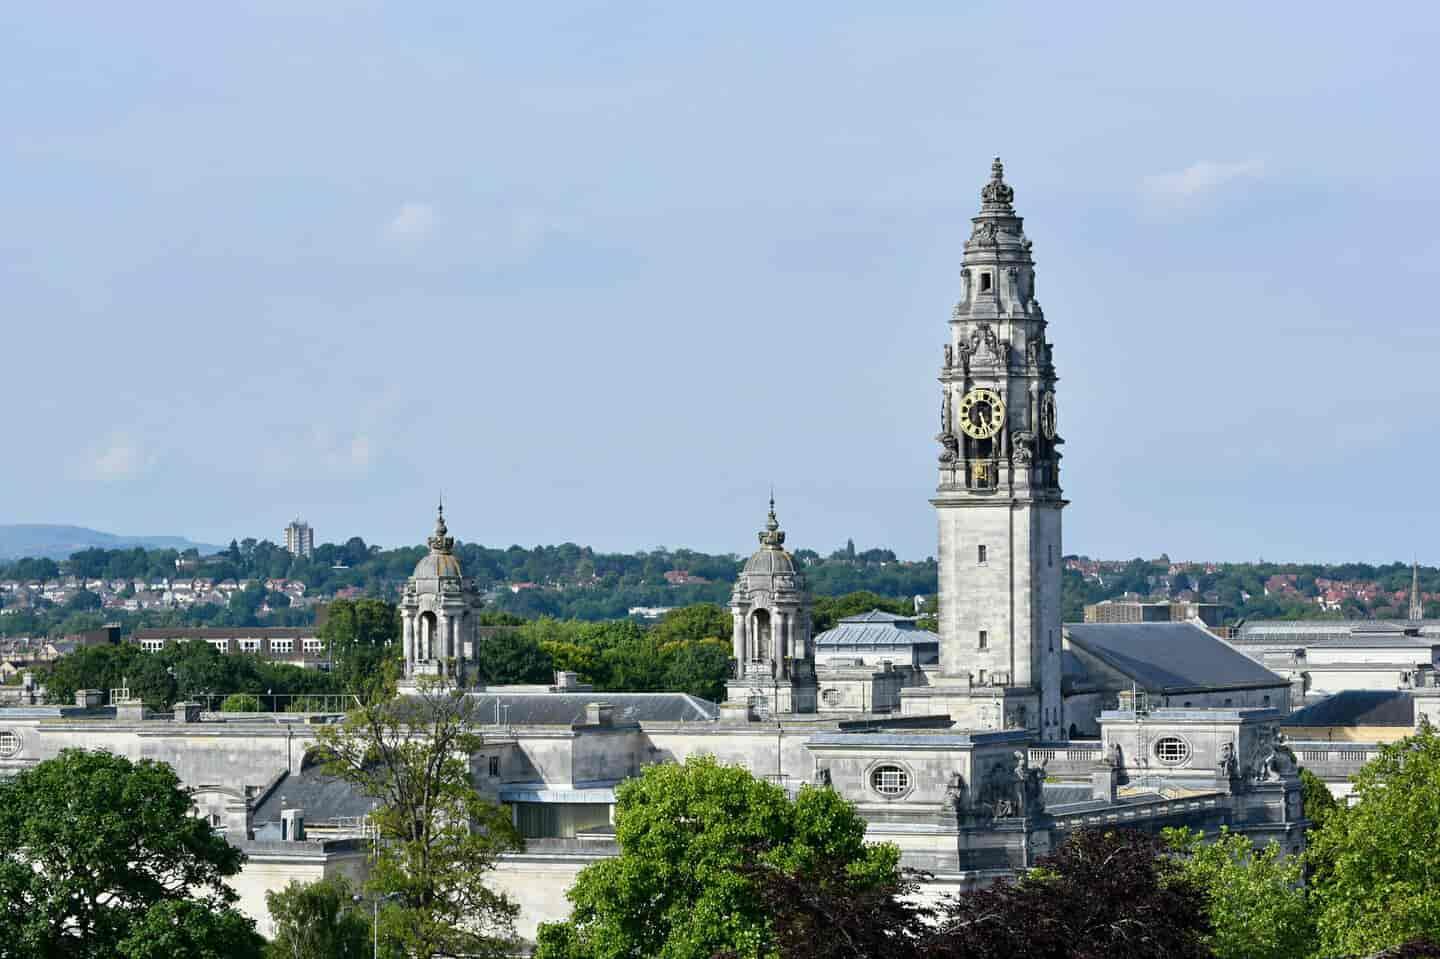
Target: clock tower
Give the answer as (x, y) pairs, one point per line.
(998, 499)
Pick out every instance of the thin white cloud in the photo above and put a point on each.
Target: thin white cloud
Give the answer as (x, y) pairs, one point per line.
(1190, 185)
(118, 456)
(412, 221)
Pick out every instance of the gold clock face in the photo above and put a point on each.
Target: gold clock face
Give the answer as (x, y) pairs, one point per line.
(982, 413)
(1047, 414)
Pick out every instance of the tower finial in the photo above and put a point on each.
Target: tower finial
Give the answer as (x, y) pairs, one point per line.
(1417, 605)
(441, 541)
(997, 195)
(772, 536)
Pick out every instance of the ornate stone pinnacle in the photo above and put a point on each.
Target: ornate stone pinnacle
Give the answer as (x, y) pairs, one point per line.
(772, 536)
(441, 541)
(997, 195)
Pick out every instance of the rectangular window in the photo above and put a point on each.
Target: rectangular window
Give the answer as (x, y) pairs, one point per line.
(1050, 559)
(982, 677)
(1052, 640)
(313, 645)
(984, 282)
(494, 766)
(282, 645)
(980, 555)
(250, 645)
(984, 639)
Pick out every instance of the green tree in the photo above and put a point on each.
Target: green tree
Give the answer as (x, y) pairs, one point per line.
(1380, 880)
(680, 888)
(1319, 802)
(439, 836)
(240, 703)
(700, 669)
(318, 920)
(99, 854)
(693, 623)
(357, 633)
(182, 929)
(1256, 901)
(513, 656)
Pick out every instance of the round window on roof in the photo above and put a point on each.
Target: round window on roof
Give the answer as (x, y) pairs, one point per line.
(9, 744)
(890, 780)
(1172, 750)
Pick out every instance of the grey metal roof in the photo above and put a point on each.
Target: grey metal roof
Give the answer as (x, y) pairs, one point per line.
(1356, 632)
(1170, 656)
(877, 616)
(874, 629)
(1358, 707)
(566, 709)
(323, 798)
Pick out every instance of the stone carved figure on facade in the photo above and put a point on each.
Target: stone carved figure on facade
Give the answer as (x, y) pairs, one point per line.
(1226, 766)
(955, 791)
(984, 234)
(949, 356)
(822, 777)
(1028, 786)
(946, 436)
(1024, 447)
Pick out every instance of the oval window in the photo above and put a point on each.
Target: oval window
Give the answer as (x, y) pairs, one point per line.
(1172, 750)
(889, 780)
(830, 697)
(9, 743)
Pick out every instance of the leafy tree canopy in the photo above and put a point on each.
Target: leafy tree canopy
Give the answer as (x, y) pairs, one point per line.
(679, 889)
(439, 836)
(318, 920)
(100, 856)
(1380, 879)
(1256, 901)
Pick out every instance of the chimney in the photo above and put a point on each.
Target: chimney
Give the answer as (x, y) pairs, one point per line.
(89, 698)
(187, 712)
(292, 825)
(599, 714)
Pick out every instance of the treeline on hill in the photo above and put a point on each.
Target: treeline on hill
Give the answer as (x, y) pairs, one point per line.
(1240, 588)
(688, 650)
(569, 581)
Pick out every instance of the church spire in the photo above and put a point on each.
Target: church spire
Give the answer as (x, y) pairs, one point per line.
(1417, 607)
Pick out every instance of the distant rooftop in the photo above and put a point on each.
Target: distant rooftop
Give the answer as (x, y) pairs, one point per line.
(1170, 656)
(533, 707)
(1359, 707)
(875, 629)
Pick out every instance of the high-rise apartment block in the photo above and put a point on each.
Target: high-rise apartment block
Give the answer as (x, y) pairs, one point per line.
(300, 538)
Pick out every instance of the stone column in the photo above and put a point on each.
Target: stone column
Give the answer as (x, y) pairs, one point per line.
(407, 642)
(782, 644)
(738, 642)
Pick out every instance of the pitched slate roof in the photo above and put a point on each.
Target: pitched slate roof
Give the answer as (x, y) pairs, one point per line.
(323, 798)
(1170, 656)
(1358, 707)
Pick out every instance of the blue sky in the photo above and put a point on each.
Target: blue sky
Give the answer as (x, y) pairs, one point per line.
(604, 272)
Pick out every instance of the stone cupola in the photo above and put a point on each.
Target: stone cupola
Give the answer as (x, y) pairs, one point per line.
(773, 649)
(439, 612)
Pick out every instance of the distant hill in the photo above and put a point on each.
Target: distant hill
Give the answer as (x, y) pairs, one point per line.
(18, 540)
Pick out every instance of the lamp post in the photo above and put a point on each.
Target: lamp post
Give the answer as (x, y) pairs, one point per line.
(375, 920)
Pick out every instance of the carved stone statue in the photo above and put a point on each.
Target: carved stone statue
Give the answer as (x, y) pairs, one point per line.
(949, 356)
(822, 776)
(1226, 767)
(955, 791)
(1023, 448)
(1028, 786)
